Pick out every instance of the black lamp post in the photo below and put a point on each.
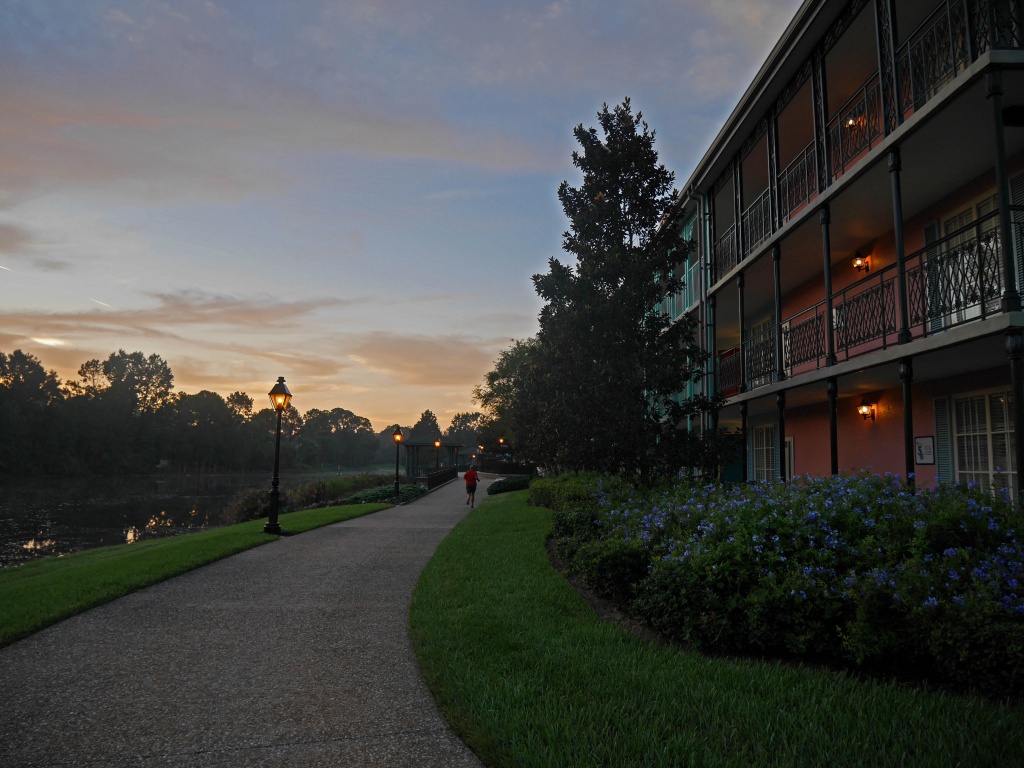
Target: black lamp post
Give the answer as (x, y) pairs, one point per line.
(397, 435)
(437, 447)
(280, 396)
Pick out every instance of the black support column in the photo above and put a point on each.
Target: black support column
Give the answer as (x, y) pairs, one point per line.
(781, 402)
(994, 92)
(825, 217)
(895, 167)
(1015, 351)
(907, 378)
(833, 430)
(713, 357)
(743, 440)
(740, 283)
(780, 363)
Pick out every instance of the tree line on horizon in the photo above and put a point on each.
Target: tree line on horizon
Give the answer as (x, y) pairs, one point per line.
(122, 416)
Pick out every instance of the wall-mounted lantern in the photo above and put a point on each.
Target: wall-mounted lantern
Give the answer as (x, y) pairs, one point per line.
(867, 410)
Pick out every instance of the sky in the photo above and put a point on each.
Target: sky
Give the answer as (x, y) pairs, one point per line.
(353, 195)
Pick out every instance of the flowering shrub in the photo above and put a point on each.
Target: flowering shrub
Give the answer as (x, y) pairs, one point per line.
(854, 569)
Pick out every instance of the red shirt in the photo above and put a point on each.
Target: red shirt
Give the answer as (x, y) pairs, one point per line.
(471, 477)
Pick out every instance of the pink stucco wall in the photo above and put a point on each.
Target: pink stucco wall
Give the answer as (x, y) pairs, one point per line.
(876, 445)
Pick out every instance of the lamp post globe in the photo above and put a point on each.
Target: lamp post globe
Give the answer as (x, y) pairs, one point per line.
(280, 396)
(437, 447)
(397, 435)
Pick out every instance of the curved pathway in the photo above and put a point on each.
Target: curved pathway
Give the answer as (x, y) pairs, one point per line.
(291, 654)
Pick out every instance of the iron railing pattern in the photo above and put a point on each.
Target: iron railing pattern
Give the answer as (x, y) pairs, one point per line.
(856, 127)
(728, 374)
(757, 222)
(865, 313)
(933, 55)
(803, 338)
(798, 182)
(994, 24)
(956, 279)
(724, 256)
(760, 358)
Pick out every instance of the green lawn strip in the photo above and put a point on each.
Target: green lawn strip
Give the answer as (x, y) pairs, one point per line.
(528, 676)
(40, 593)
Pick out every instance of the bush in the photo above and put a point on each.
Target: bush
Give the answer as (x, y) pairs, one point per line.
(574, 500)
(254, 503)
(334, 490)
(386, 493)
(611, 568)
(853, 570)
(509, 484)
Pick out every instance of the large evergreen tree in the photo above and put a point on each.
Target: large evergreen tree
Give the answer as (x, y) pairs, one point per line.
(607, 367)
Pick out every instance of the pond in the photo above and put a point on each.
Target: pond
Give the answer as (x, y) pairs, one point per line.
(54, 516)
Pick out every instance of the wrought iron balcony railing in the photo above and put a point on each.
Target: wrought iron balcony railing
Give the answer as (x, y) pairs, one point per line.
(757, 223)
(760, 358)
(724, 254)
(935, 53)
(959, 278)
(954, 280)
(798, 182)
(856, 127)
(728, 373)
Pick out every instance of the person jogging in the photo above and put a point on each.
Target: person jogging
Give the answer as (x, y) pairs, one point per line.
(471, 478)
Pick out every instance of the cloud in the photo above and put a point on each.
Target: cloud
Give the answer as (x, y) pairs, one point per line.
(12, 239)
(161, 143)
(424, 360)
(172, 317)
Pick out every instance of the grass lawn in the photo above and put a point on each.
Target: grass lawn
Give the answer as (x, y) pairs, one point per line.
(528, 676)
(40, 593)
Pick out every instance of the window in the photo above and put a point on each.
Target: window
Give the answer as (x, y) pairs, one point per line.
(984, 440)
(955, 289)
(764, 453)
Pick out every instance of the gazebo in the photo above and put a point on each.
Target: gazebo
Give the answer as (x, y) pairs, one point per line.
(422, 457)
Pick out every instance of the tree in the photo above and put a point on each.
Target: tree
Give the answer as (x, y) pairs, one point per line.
(240, 404)
(337, 437)
(605, 371)
(515, 402)
(141, 384)
(427, 427)
(205, 431)
(464, 428)
(29, 396)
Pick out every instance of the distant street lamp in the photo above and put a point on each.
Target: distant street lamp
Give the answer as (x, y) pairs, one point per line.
(280, 396)
(437, 447)
(397, 435)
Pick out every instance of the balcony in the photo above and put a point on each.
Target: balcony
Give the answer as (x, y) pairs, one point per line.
(757, 223)
(955, 280)
(934, 54)
(724, 256)
(856, 127)
(798, 182)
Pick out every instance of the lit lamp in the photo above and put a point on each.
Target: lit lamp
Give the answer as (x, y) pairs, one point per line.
(861, 263)
(437, 447)
(280, 396)
(397, 435)
(866, 410)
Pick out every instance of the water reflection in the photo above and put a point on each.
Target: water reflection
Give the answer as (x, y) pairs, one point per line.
(40, 518)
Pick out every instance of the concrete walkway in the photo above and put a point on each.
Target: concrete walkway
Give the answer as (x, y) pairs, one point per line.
(291, 654)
